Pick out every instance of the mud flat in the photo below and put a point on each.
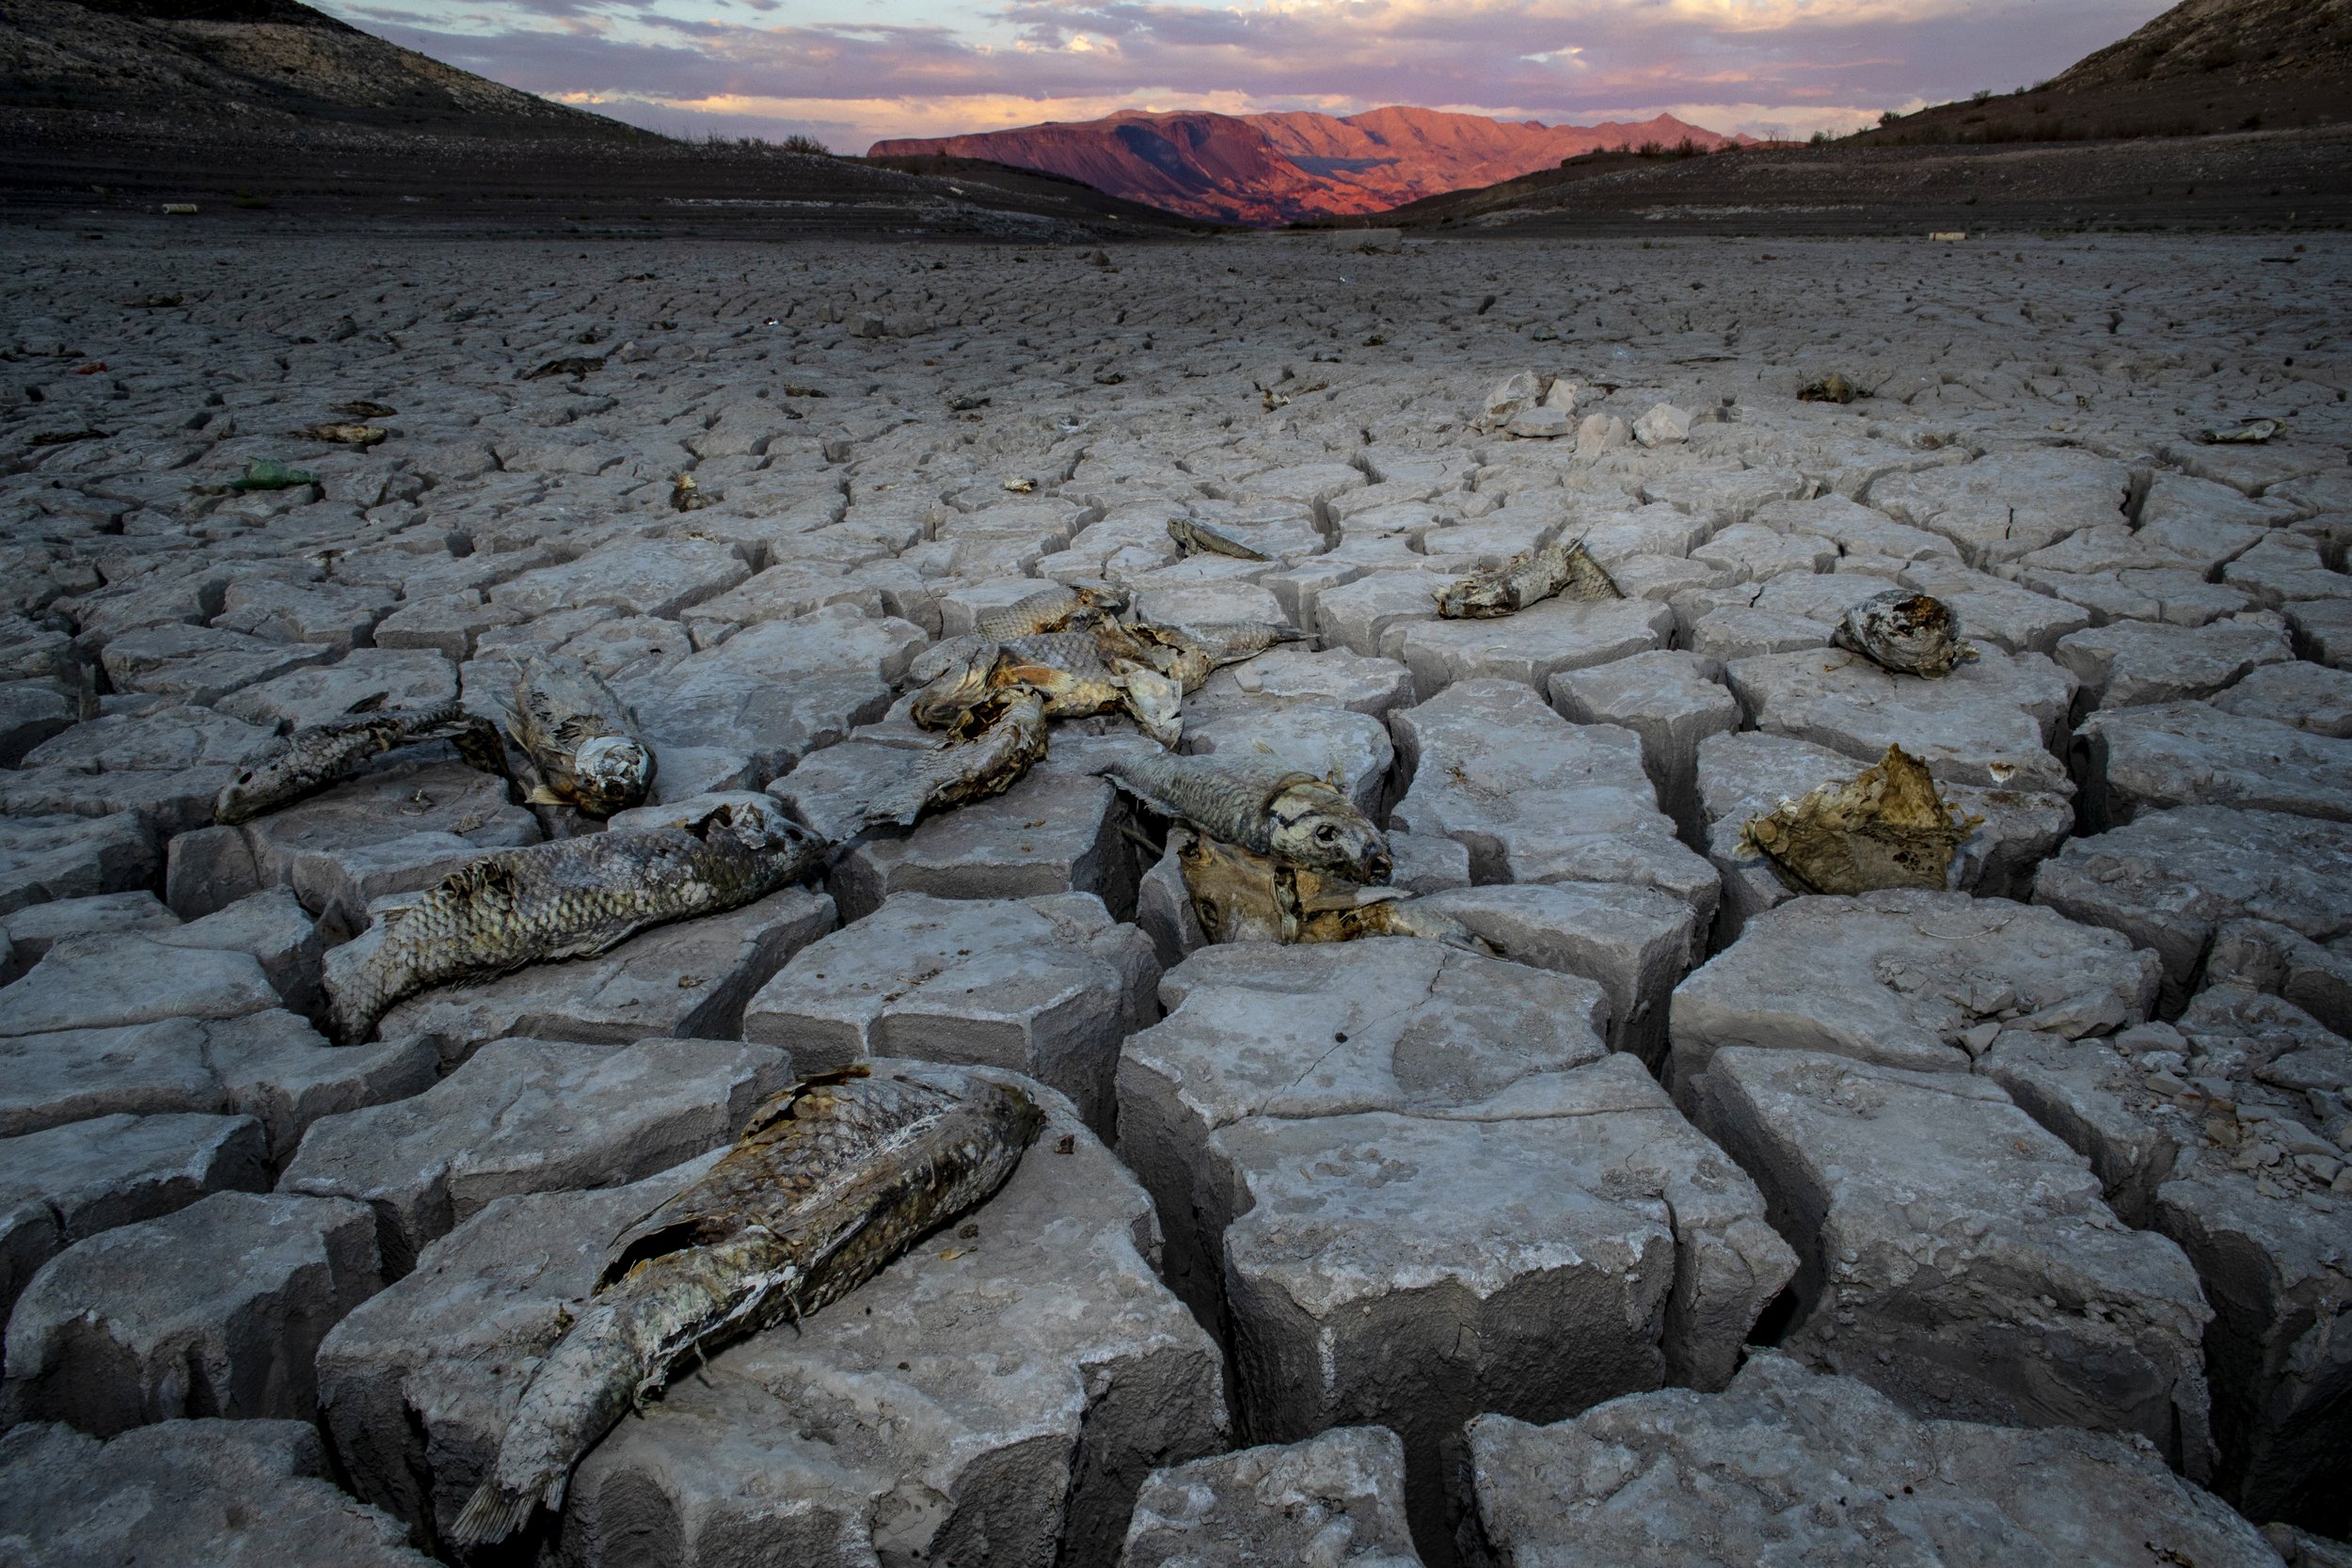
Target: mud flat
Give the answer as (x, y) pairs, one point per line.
(2036, 1185)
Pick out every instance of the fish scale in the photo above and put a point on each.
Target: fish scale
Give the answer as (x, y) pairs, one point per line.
(316, 756)
(1263, 807)
(827, 1183)
(571, 898)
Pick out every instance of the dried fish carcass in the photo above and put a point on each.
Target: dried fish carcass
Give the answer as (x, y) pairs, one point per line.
(1553, 566)
(1270, 810)
(1238, 895)
(1909, 633)
(1056, 608)
(1066, 668)
(1888, 827)
(316, 756)
(571, 898)
(827, 1183)
(1188, 655)
(582, 738)
(1195, 537)
(1012, 739)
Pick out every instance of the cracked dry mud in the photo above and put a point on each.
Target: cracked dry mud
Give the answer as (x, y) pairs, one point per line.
(2036, 1188)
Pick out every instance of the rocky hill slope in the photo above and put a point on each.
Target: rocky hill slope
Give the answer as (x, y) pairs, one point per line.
(251, 63)
(2204, 66)
(1284, 167)
(247, 107)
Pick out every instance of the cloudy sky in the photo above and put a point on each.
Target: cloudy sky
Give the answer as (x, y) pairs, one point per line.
(850, 71)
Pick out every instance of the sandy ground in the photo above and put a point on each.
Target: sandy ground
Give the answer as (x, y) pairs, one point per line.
(889, 440)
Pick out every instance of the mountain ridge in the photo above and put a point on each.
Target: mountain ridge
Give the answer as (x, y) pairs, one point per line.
(1290, 166)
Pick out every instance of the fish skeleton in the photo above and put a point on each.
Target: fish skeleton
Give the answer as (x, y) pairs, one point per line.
(1266, 808)
(314, 757)
(567, 900)
(1909, 633)
(1531, 577)
(828, 1182)
(580, 737)
(1010, 738)
(1195, 537)
(1884, 828)
(1054, 608)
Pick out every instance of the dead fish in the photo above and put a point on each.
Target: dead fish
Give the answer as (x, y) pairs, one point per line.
(570, 898)
(828, 1182)
(1263, 807)
(1884, 828)
(575, 365)
(687, 496)
(316, 756)
(1832, 387)
(1909, 633)
(1195, 537)
(1010, 738)
(954, 679)
(345, 434)
(580, 737)
(1552, 568)
(1241, 897)
(1191, 654)
(1051, 610)
(1393, 916)
(2251, 435)
(1065, 669)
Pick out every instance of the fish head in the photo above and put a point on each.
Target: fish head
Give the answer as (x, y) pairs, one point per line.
(960, 683)
(1473, 598)
(1016, 1118)
(238, 800)
(1315, 826)
(1103, 598)
(614, 772)
(762, 829)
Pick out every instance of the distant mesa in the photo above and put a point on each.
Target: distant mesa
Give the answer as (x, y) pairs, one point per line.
(1275, 169)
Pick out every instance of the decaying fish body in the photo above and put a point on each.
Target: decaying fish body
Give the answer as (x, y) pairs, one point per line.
(567, 899)
(687, 496)
(1055, 609)
(1238, 895)
(1067, 670)
(315, 757)
(1195, 537)
(1010, 738)
(1263, 807)
(1553, 566)
(1886, 826)
(2251, 435)
(1832, 388)
(1909, 633)
(829, 1181)
(1189, 654)
(581, 737)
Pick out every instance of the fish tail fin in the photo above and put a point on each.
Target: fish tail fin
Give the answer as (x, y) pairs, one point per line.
(492, 1514)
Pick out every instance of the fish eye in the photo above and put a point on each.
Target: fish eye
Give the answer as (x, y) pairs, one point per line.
(1327, 833)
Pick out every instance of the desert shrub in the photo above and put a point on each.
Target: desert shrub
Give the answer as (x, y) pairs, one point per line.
(1982, 95)
(799, 143)
(1890, 117)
